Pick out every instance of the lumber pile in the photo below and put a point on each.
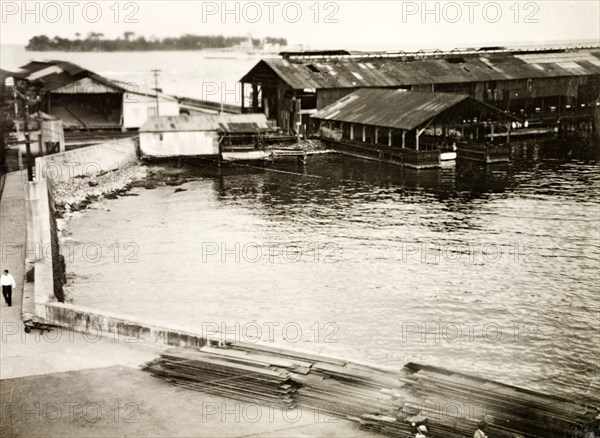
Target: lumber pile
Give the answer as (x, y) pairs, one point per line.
(388, 401)
(511, 411)
(229, 373)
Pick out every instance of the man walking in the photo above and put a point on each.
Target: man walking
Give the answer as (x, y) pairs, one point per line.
(8, 284)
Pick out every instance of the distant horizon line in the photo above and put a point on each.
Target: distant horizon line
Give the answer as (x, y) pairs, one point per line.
(464, 45)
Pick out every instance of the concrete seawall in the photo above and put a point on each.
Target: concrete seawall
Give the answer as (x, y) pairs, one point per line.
(38, 288)
(41, 297)
(43, 261)
(128, 328)
(89, 160)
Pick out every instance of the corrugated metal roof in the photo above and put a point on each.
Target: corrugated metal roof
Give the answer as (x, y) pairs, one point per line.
(69, 74)
(10, 74)
(69, 67)
(398, 109)
(231, 123)
(343, 72)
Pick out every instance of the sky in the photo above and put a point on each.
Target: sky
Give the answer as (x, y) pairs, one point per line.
(358, 25)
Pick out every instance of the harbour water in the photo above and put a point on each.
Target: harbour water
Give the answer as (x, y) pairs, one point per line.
(489, 272)
(205, 75)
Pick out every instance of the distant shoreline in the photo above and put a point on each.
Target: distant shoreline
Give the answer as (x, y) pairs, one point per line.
(224, 50)
(95, 42)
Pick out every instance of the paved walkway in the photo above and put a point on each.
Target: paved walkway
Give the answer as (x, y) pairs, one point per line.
(57, 350)
(12, 240)
(67, 384)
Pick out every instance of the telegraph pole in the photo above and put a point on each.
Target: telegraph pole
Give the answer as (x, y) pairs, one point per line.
(28, 141)
(155, 72)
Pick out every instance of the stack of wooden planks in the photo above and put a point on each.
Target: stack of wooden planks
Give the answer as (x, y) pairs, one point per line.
(385, 400)
(230, 373)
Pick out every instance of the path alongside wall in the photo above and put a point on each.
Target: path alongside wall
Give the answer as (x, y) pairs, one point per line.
(12, 234)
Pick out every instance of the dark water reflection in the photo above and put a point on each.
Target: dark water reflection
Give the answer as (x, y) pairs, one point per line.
(492, 271)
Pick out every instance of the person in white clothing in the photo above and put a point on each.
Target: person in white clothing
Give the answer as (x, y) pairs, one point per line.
(422, 432)
(8, 284)
(482, 428)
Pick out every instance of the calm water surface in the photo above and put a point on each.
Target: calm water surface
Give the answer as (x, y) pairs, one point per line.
(495, 273)
(490, 272)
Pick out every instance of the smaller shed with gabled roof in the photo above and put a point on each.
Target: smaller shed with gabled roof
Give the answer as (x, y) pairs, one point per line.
(202, 135)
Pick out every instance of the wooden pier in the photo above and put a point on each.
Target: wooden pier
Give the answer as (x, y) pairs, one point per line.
(386, 400)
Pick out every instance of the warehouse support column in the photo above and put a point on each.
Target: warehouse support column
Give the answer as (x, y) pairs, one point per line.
(418, 133)
(254, 98)
(243, 88)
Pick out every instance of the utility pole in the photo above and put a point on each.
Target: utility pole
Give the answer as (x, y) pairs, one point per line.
(155, 72)
(28, 142)
(16, 106)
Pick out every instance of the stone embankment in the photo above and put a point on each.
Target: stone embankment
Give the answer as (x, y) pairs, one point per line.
(77, 193)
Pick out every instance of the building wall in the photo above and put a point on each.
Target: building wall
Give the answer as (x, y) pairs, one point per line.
(285, 118)
(326, 97)
(171, 144)
(137, 109)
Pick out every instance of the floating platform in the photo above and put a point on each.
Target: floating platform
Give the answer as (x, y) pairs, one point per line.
(387, 154)
(483, 153)
(298, 155)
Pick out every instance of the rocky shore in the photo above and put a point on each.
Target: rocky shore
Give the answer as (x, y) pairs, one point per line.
(77, 193)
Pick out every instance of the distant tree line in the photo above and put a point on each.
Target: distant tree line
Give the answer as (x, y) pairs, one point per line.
(95, 42)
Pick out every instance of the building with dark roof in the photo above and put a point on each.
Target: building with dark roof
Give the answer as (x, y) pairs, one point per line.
(533, 84)
(83, 99)
(410, 127)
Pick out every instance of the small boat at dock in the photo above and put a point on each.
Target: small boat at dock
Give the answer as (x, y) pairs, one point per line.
(247, 156)
(448, 156)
